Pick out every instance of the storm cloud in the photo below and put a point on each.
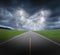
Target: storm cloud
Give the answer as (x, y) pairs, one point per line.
(30, 14)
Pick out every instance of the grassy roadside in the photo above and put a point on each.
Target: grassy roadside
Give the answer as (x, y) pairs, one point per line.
(51, 34)
(6, 34)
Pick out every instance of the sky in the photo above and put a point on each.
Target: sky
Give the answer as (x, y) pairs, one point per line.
(30, 14)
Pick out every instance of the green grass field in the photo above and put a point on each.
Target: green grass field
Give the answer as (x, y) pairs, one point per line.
(51, 34)
(6, 34)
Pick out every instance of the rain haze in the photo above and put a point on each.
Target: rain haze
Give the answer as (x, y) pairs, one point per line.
(30, 14)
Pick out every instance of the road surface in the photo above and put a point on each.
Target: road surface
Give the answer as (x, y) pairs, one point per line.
(29, 43)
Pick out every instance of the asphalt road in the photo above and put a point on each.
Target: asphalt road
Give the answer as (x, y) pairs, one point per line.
(29, 43)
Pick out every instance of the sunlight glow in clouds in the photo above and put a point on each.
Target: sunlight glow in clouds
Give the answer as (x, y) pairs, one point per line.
(34, 22)
(20, 19)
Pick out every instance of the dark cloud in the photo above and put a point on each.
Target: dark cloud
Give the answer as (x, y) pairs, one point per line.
(8, 9)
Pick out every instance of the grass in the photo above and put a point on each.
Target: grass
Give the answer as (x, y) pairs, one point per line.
(51, 34)
(6, 34)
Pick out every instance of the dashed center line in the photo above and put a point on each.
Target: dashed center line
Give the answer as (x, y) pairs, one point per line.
(30, 44)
